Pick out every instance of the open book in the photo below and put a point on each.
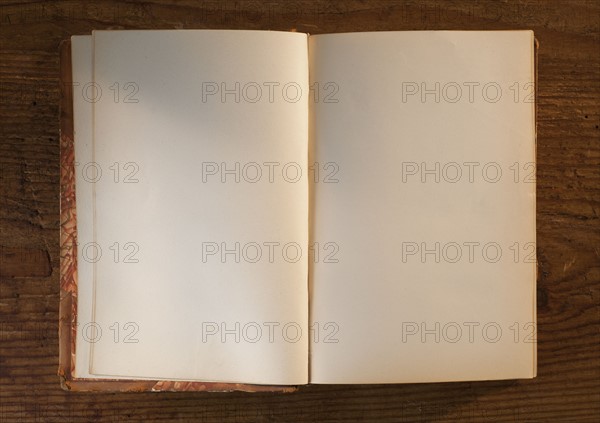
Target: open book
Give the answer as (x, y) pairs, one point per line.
(274, 208)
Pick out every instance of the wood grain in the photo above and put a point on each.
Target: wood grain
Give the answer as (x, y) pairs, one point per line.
(568, 175)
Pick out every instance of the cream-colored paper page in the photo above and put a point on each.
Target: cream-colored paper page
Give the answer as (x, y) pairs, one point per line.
(81, 58)
(426, 199)
(201, 211)
(87, 331)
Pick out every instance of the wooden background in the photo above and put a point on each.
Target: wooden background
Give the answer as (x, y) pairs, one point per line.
(568, 206)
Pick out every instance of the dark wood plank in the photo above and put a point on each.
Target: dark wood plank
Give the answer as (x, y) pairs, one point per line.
(568, 384)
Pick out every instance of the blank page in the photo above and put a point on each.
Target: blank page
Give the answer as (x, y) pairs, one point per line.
(88, 332)
(427, 206)
(199, 211)
(81, 59)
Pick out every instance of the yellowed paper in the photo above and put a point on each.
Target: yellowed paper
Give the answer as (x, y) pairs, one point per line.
(433, 213)
(200, 276)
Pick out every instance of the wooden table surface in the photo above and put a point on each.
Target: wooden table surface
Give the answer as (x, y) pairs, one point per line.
(568, 206)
